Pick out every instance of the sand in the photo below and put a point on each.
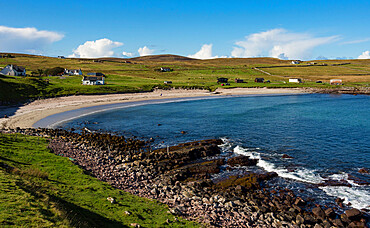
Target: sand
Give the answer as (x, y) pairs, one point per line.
(25, 116)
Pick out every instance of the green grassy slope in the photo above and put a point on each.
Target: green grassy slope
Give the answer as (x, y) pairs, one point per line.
(141, 75)
(40, 189)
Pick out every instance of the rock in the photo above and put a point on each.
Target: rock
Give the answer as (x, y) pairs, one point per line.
(363, 170)
(299, 220)
(330, 213)
(242, 161)
(317, 226)
(299, 202)
(353, 214)
(318, 212)
(127, 213)
(338, 223)
(111, 199)
(135, 225)
(286, 156)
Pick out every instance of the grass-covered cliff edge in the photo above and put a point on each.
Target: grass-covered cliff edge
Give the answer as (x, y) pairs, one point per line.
(41, 189)
(141, 74)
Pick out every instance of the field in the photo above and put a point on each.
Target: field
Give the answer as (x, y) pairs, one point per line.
(141, 74)
(40, 189)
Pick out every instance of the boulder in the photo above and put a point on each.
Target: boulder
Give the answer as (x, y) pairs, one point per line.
(241, 161)
(353, 214)
(286, 156)
(363, 170)
(318, 212)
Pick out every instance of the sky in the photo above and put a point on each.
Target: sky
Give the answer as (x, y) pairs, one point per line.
(304, 30)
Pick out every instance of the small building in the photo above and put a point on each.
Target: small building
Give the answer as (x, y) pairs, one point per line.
(296, 61)
(222, 80)
(237, 80)
(165, 69)
(98, 74)
(72, 72)
(167, 82)
(127, 61)
(259, 80)
(93, 80)
(336, 82)
(13, 70)
(295, 80)
(61, 57)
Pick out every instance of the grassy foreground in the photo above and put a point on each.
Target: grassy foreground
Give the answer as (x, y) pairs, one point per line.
(142, 74)
(40, 189)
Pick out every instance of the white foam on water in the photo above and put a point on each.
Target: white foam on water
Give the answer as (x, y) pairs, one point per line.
(358, 198)
(345, 177)
(303, 175)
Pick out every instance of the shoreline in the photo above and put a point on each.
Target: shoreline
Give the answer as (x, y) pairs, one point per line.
(181, 177)
(26, 116)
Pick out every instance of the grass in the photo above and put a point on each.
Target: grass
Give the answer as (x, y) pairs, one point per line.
(40, 189)
(141, 75)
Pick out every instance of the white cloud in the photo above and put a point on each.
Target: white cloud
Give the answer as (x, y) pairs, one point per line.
(26, 39)
(205, 52)
(279, 43)
(128, 54)
(145, 51)
(356, 41)
(364, 55)
(95, 49)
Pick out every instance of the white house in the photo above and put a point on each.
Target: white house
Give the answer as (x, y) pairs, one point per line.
(72, 72)
(336, 82)
(13, 70)
(93, 80)
(296, 61)
(295, 80)
(165, 69)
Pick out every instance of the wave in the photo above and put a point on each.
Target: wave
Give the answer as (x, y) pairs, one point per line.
(359, 198)
(303, 175)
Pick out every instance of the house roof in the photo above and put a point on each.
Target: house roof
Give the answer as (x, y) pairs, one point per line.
(95, 74)
(18, 68)
(92, 78)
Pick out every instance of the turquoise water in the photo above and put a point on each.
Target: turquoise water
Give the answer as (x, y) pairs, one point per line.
(328, 136)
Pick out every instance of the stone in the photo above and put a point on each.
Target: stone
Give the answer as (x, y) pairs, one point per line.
(318, 212)
(242, 161)
(338, 223)
(330, 213)
(286, 156)
(353, 214)
(363, 170)
(299, 220)
(135, 225)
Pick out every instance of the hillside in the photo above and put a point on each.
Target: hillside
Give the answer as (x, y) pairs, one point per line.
(141, 74)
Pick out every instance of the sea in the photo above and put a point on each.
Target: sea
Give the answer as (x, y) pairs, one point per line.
(307, 139)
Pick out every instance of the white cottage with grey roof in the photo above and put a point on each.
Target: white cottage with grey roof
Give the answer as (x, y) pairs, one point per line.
(13, 70)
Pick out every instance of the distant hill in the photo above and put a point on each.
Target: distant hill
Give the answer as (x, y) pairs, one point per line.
(162, 58)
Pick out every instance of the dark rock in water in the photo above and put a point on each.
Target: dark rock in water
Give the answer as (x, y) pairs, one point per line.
(353, 214)
(357, 180)
(242, 161)
(363, 170)
(286, 156)
(335, 183)
(318, 212)
(183, 132)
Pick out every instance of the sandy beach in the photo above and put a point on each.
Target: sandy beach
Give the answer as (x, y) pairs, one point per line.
(25, 116)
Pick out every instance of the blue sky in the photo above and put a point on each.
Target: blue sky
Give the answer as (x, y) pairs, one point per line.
(202, 29)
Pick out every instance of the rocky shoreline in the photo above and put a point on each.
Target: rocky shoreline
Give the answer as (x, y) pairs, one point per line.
(340, 90)
(181, 177)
